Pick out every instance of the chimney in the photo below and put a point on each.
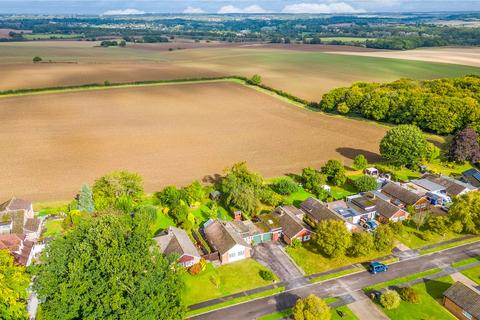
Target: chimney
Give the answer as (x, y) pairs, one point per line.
(237, 216)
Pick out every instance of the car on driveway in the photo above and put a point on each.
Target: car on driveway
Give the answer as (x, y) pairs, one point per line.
(377, 267)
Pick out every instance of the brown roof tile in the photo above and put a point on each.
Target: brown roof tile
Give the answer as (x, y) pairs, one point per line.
(465, 297)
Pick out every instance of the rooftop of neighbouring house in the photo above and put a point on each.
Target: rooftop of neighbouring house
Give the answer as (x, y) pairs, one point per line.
(175, 240)
(222, 236)
(15, 204)
(465, 297)
(318, 210)
(267, 222)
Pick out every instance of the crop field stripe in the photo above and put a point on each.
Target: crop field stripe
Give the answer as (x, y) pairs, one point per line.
(96, 87)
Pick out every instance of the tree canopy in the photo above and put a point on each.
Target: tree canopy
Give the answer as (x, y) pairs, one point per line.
(109, 268)
(366, 183)
(465, 147)
(311, 308)
(108, 189)
(466, 209)
(85, 199)
(335, 172)
(442, 106)
(332, 238)
(241, 188)
(404, 145)
(14, 282)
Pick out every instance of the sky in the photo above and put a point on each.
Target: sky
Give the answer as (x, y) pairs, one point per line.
(115, 7)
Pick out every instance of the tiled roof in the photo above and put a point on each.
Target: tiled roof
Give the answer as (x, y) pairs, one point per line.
(175, 240)
(291, 225)
(465, 297)
(398, 192)
(223, 237)
(317, 210)
(15, 204)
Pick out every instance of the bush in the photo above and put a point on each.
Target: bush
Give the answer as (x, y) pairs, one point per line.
(37, 59)
(270, 197)
(390, 300)
(311, 308)
(360, 162)
(397, 227)
(457, 227)
(255, 80)
(267, 275)
(195, 269)
(366, 183)
(410, 295)
(284, 186)
(427, 236)
(296, 243)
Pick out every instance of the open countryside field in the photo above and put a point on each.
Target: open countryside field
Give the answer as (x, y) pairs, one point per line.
(170, 134)
(469, 56)
(305, 74)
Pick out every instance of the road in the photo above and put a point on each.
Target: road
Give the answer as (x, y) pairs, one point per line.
(338, 287)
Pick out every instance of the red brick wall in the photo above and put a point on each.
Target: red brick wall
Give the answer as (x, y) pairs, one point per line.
(454, 309)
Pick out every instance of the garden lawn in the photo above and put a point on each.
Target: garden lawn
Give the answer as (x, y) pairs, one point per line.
(311, 262)
(53, 228)
(231, 278)
(163, 221)
(401, 173)
(449, 245)
(411, 238)
(298, 197)
(201, 213)
(429, 307)
(341, 192)
(473, 273)
(449, 169)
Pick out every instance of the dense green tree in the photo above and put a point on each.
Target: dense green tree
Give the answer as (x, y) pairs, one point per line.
(403, 145)
(438, 225)
(432, 152)
(420, 218)
(194, 192)
(311, 308)
(335, 172)
(466, 209)
(37, 59)
(384, 238)
(332, 238)
(410, 295)
(313, 180)
(171, 197)
(255, 80)
(270, 197)
(179, 213)
(284, 186)
(109, 268)
(107, 189)
(241, 188)
(360, 162)
(362, 244)
(14, 282)
(366, 183)
(85, 199)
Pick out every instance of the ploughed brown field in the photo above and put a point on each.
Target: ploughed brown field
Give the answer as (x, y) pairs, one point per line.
(53, 143)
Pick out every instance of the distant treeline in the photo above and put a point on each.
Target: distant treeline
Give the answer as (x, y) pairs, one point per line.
(443, 106)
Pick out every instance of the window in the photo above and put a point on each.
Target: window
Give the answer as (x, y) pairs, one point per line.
(232, 255)
(241, 253)
(306, 238)
(467, 315)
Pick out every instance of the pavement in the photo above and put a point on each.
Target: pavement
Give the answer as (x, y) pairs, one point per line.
(272, 256)
(457, 276)
(350, 284)
(367, 310)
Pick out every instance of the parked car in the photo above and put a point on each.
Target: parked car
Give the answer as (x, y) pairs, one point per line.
(370, 225)
(377, 267)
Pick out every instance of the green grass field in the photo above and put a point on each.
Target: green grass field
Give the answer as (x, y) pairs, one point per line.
(312, 262)
(402, 280)
(231, 278)
(53, 228)
(473, 273)
(411, 237)
(47, 36)
(429, 307)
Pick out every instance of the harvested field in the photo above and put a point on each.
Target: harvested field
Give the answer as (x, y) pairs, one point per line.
(305, 74)
(53, 143)
(469, 56)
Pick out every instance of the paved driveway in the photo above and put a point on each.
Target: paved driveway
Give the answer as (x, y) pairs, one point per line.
(271, 255)
(366, 310)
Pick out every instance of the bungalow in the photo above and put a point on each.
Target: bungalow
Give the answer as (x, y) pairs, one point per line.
(19, 247)
(290, 219)
(453, 187)
(462, 301)
(176, 241)
(472, 176)
(371, 205)
(402, 197)
(316, 211)
(224, 239)
(17, 217)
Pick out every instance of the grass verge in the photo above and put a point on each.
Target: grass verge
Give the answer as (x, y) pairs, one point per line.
(449, 245)
(336, 275)
(402, 280)
(263, 294)
(431, 292)
(473, 274)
